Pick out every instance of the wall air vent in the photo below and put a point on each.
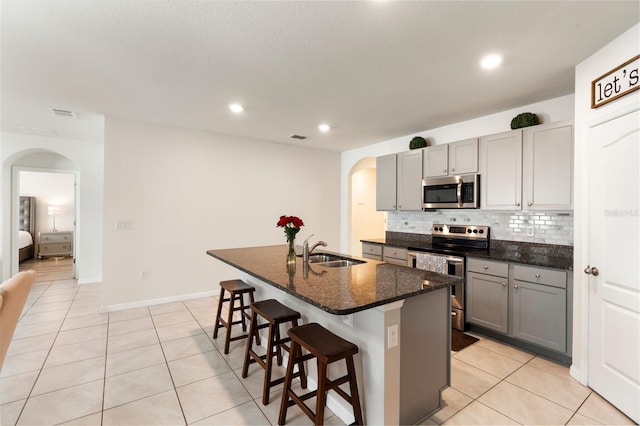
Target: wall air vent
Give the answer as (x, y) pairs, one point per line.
(298, 137)
(64, 113)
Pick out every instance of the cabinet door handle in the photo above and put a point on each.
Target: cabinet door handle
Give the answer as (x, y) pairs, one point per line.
(515, 286)
(529, 204)
(517, 204)
(537, 275)
(504, 284)
(453, 170)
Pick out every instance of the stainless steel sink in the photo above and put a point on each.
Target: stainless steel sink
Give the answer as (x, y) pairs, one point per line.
(323, 257)
(332, 260)
(341, 263)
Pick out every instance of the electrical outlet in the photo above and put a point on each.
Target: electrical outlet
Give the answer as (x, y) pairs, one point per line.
(530, 231)
(392, 336)
(144, 275)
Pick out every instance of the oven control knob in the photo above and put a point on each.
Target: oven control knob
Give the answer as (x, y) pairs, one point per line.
(441, 229)
(482, 231)
(475, 231)
(468, 231)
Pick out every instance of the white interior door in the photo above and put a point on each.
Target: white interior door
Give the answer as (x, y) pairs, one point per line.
(614, 282)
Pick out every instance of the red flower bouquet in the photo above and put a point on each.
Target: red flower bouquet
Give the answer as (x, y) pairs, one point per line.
(291, 225)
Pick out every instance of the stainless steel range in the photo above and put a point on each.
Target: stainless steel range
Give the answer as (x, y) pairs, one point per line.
(449, 246)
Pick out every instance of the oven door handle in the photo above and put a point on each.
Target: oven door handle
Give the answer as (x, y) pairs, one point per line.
(459, 192)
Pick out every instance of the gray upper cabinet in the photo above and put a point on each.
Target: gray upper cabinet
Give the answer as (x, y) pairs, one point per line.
(399, 181)
(409, 178)
(386, 170)
(528, 169)
(454, 158)
(436, 161)
(501, 171)
(547, 170)
(463, 157)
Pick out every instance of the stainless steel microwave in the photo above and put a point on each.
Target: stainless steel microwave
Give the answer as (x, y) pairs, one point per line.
(451, 192)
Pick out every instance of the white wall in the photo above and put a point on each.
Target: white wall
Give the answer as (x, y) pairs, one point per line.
(186, 192)
(615, 53)
(82, 157)
(549, 111)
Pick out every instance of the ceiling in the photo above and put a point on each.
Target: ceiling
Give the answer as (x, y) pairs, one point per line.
(373, 70)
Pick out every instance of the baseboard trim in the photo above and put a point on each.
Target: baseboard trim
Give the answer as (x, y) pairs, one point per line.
(159, 301)
(94, 280)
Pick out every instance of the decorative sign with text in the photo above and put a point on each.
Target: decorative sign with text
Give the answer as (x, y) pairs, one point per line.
(618, 82)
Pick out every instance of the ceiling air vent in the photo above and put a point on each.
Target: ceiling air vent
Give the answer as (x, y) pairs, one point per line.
(64, 113)
(298, 137)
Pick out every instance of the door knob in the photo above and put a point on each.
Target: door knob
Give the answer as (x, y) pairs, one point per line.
(591, 271)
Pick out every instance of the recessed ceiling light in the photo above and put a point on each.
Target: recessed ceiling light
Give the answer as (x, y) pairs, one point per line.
(237, 108)
(324, 127)
(491, 61)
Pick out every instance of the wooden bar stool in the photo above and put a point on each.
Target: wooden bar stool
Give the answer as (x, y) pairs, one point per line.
(326, 347)
(236, 289)
(275, 313)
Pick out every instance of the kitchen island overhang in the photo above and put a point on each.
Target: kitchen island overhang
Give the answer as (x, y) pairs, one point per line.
(398, 316)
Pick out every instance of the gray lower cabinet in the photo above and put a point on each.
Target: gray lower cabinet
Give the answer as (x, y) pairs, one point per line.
(395, 255)
(538, 298)
(488, 301)
(372, 251)
(523, 302)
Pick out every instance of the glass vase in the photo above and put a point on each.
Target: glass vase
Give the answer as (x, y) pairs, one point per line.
(291, 254)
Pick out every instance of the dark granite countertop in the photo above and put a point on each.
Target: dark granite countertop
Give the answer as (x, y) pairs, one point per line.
(534, 254)
(338, 291)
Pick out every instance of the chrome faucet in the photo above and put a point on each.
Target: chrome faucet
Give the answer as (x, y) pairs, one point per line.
(305, 248)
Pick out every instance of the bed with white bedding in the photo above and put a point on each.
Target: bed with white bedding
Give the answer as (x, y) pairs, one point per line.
(27, 228)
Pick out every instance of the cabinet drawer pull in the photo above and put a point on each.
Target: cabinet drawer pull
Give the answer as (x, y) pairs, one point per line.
(537, 275)
(486, 267)
(504, 284)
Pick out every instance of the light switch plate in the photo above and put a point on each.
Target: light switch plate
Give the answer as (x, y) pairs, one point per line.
(121, 225)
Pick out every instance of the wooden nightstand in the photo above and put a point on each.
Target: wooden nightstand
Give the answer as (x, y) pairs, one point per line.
(55, 244)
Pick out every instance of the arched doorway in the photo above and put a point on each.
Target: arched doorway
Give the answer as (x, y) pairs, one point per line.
(51, 181)
(364, 220)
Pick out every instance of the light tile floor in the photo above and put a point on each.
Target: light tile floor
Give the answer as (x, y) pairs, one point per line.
(70, 364)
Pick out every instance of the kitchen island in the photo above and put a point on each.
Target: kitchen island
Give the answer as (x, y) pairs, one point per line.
(398, 317)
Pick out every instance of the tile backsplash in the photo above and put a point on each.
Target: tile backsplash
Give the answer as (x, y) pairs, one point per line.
(533, 227)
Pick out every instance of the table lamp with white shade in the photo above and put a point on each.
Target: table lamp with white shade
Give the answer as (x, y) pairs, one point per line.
(54, 211)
